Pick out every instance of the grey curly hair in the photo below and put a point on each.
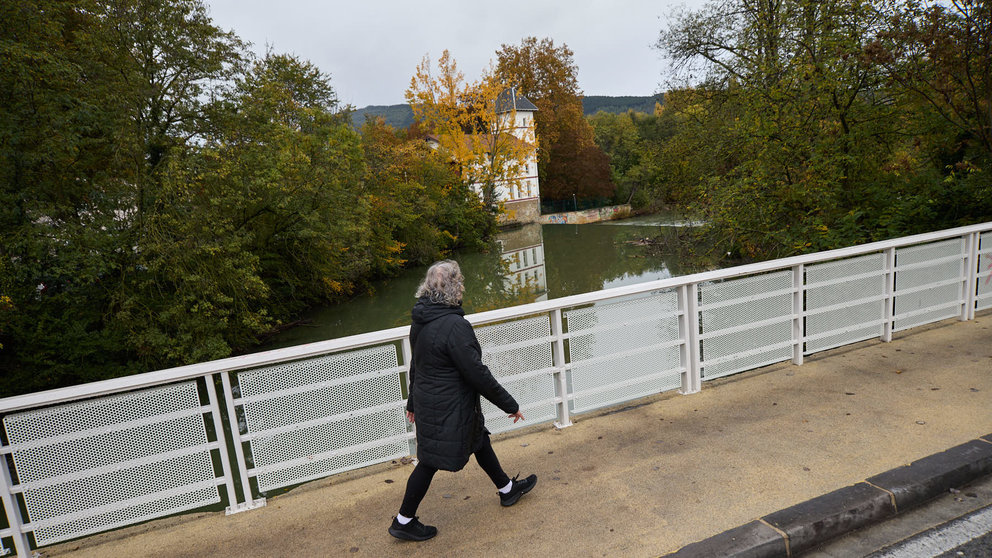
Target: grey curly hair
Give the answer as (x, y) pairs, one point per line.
(443, 283)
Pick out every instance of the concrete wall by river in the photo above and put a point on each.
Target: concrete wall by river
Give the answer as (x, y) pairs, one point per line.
(587, 216)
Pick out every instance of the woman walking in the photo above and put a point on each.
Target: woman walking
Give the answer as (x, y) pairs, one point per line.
(447, 377)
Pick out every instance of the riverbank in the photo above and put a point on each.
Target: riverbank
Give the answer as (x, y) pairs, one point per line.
(587, 216)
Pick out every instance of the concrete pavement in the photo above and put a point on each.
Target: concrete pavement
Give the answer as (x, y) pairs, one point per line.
(645, 479)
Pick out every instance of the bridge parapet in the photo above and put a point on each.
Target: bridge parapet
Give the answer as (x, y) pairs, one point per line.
(108, 454)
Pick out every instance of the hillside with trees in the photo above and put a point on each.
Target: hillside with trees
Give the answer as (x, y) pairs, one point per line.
(401, 116)
(591, 104)
(396, 116)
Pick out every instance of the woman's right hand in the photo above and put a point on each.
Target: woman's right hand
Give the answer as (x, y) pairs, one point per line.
(409, 416)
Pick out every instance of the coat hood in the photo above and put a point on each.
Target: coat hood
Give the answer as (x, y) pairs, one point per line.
(426, 311)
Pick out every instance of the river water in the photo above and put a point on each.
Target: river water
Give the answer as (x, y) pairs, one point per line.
(527, 264)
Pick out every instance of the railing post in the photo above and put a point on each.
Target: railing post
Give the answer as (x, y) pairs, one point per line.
(888, 312)
(970, 284)
(225, 460)
(558, 360)
(798, 313)
(12, 510)
(239, 452)
(407, 351)
(689, 333)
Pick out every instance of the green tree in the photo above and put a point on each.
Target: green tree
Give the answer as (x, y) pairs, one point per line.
(287, 173)
(942, 55)
(187, 290)
(421, 207)
(617, 135)
(165, 200)
(938, 58)
(116, 256)
(196, 293)
(810, 122)
(173, 61)
(634, 143)
(62, 186)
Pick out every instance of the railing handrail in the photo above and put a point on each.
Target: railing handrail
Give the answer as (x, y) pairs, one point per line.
(191, 371)
(180, 373)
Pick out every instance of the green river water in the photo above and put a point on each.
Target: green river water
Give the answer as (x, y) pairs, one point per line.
(528, 264)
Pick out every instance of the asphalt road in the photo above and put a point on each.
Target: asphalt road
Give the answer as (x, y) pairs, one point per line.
(977, 548)
(969, 536)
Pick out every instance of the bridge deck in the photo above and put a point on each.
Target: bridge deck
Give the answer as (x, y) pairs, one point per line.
(644, 481)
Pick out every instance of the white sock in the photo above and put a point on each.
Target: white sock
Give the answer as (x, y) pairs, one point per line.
(403, 519)
(506, 489)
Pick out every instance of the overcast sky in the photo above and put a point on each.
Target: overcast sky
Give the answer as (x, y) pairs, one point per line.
(371, 48)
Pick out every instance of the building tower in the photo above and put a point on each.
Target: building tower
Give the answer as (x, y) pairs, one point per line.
(520, 195)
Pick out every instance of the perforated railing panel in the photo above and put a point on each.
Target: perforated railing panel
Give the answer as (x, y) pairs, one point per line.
(929, 290)
(985, 272)
(316, 417)
(624, 350)
(104, 463)
(518, 353)
(845, 289)
(733, 341)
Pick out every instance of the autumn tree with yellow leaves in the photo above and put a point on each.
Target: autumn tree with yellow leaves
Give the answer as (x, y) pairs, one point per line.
(471, 124)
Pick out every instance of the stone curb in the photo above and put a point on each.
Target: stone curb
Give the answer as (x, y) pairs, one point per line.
(794, 530)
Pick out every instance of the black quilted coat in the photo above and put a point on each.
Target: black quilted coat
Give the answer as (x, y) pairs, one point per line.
(446, 379)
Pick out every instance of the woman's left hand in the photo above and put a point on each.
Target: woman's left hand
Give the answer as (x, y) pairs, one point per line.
(516, 416)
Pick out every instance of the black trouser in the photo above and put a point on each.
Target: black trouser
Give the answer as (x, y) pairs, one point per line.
(420, 478)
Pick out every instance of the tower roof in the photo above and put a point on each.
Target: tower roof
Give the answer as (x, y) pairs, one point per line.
(509, 100)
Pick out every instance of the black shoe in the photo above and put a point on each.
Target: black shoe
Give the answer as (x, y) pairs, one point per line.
(519, 488)
(413, 531)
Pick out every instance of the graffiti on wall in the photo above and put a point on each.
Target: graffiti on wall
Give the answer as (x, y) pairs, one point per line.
(587, 216)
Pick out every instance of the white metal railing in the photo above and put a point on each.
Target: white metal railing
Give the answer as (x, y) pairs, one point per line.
(222, 434)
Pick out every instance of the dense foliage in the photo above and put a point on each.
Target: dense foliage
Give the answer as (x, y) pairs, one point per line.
(166, 198)
(806, 125)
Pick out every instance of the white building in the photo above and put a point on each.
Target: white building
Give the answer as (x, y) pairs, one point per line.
(520, 195)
